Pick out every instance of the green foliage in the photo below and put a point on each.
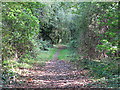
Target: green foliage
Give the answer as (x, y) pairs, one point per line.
(105, 72)
(8, 73)
(53, 27)
(105, 68)
(44, 45)
(94, 29)
(89, 28)
(108, 22)
(108, 47)
(19, 36)
(113, 82)
(25, 65)
(20, 28)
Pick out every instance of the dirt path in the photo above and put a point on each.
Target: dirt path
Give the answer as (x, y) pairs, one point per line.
(55, 74)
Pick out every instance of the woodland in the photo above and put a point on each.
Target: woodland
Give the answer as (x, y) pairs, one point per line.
(60, 45)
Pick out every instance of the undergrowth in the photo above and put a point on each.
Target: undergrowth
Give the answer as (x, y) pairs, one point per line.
(104, 72)
(46, 55)
(10, 66)
(64, 54)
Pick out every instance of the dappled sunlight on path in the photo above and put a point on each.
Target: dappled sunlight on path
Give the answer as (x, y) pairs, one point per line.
(55, 74)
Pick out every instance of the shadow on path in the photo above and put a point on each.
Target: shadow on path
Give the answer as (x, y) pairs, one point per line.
(55, 74)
